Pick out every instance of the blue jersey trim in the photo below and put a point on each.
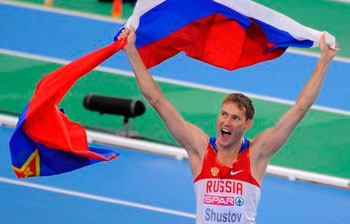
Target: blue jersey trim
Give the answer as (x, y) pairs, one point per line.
(245, 144)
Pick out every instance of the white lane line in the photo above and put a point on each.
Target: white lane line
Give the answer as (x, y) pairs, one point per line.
(175, 82)
(96, 197)
(344, 1)
(315, 55)
(64, 11)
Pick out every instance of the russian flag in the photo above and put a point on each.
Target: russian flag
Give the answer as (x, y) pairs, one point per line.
(45, 142)
(226, 33)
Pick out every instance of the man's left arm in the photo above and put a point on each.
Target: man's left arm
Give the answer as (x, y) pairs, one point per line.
(271, 140)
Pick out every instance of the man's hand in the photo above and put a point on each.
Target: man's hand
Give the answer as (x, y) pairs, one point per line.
(131, 37)
(327, 53)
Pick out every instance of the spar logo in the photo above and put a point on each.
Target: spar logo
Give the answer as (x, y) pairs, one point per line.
(239, 201)
(223, 200)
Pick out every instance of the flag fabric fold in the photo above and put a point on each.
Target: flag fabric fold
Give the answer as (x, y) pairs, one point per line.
(45, 142)
(225, 33)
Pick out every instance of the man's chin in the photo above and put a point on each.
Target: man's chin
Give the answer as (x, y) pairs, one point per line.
(223, 141)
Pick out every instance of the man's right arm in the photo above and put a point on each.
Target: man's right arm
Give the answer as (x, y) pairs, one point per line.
(188, 135)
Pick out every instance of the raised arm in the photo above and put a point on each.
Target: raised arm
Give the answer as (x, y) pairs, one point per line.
(271, 140)
(189, 136)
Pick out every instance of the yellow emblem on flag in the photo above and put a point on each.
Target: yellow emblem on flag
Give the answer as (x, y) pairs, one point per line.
(30, 168)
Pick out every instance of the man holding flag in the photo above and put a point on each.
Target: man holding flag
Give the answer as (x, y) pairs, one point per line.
(228, 169)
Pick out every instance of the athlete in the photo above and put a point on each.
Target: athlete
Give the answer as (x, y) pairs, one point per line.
(228, 170)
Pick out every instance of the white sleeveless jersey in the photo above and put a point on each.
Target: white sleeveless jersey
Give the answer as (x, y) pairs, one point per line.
(224, 194)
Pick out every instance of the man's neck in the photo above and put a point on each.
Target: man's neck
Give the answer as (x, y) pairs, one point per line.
(227, 155)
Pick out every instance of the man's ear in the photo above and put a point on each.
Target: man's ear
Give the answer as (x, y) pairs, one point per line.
(249, 124)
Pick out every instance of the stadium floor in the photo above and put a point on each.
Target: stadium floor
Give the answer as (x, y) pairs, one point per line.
(144, 188)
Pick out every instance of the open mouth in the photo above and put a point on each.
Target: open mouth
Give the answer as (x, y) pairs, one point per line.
(225, 133)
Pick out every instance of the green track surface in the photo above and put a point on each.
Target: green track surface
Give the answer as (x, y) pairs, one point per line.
(319, 144)
(331, 16)
(88, 6)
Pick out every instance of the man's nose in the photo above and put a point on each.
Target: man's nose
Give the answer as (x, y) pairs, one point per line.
(226, 121)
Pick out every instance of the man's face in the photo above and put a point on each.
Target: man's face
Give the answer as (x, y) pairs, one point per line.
(231, 124)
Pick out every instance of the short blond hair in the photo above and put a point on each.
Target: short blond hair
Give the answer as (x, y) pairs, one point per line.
(243, 102)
